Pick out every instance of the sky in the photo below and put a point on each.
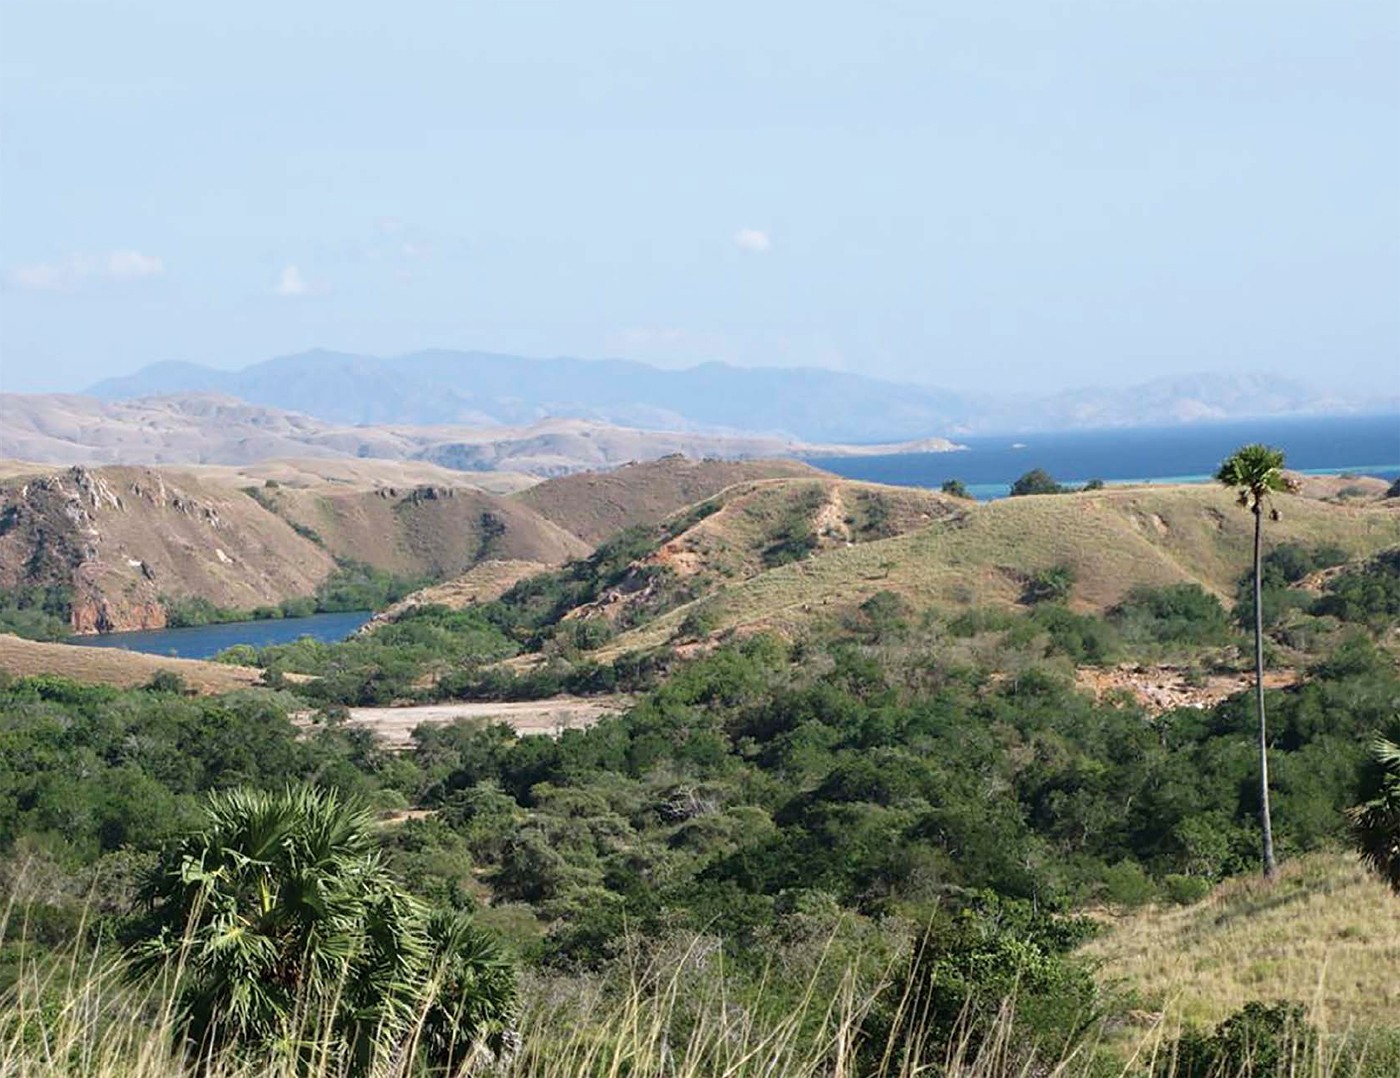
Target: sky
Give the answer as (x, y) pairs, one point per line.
(980, 195)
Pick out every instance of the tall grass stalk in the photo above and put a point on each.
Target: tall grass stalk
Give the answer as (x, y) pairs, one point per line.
(81, 1014)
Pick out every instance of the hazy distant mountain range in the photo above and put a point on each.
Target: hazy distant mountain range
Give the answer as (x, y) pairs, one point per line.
(205, 428)
(808, 404)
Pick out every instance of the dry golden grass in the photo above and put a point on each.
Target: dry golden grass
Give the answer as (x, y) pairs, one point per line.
(1113, 540)
(113, 666)
(440, 531)
(479, 584)
(81, 1016)
(595, 505)
(1325, 933)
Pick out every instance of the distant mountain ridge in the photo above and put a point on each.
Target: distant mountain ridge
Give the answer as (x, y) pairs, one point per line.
(441, 388)
(205, 428)
(811, 404)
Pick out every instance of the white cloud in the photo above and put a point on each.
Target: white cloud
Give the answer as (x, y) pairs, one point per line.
(752, 239)
(131, 265)
(292, 283)
(68, 273)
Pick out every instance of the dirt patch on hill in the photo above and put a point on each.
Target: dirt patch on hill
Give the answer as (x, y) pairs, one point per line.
(395, 725)
(831, 521)
(1165, 688)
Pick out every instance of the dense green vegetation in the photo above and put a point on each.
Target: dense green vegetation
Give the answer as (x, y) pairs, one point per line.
(353, 586)
(1368, 594)
(386, 665)
(36, 613)
(1177, 614)
(926, 798)
(45, 613)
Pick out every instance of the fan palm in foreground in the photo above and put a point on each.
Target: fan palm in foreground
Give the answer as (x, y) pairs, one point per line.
(285, 932)
(1375, 823)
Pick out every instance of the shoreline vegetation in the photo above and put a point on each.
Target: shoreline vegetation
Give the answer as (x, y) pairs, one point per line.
(353, 586)
(42, 614)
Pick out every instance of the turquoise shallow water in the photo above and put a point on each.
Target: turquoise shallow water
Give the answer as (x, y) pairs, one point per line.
(206, 641)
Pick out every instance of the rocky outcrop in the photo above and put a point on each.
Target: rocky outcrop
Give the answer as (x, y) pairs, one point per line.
(120, 543)
(115, 546)
(99, 614)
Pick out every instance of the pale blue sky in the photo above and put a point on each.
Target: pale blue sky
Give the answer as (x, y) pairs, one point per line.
(983, 194)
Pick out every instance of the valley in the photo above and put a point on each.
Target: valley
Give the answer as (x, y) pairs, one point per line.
(699, 540)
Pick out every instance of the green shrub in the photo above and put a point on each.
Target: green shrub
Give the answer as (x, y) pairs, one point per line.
(1049, 585)
(968, 964)
(1185, 890)
(1368, 594)
(1175, 614)
(1261, 1040)
(1127, 884)
(1036, 481)
(167, 681)
(1081, 637)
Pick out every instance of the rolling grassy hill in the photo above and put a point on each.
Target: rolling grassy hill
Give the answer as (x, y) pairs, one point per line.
(1111, 540)
(114, 666)
(595, 505)
(124, 541)
(751, 528)
(433, 531)
(1325, 934)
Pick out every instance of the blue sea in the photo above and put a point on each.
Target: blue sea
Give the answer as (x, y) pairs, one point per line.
(206, 641)
(1332, 445)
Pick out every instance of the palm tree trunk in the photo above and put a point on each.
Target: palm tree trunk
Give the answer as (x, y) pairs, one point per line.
(1265, 820)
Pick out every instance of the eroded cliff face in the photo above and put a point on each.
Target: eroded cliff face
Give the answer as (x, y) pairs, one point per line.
(98, 614)
(123, 542)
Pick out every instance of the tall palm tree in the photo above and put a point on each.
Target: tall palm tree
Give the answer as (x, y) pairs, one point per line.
(1375, 823)
(285, 928)
(1255, 472)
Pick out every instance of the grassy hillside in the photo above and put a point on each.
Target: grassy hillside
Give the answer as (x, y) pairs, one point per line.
(1327, 933)
(480, 584)
(643, 572)
(596, 505)
(353, 473)
(984, 554)
(432, 531)
(114, 666)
